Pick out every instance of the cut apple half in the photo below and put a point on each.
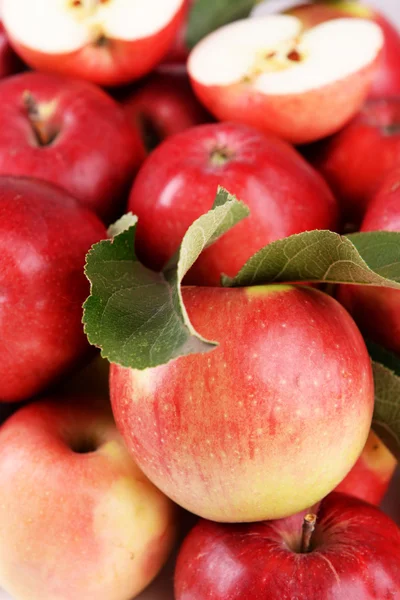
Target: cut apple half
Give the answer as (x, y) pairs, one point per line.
(105, 41)
(270, 73)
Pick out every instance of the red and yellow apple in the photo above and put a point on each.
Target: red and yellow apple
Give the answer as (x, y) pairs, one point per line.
(178, 183)
(108, 42)
(249, 431)
(78, 518)
(370, 477)
(270, 73)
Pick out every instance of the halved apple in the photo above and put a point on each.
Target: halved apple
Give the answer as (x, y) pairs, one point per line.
(270, 73)
(108, 42)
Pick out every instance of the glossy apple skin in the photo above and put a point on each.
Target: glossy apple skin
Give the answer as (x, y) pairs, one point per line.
(95, 153)
(386, 80)
(179, 181)
(356, 160)
(114, 63)
(355, 554)
(370, 477)
(44, 237)
(377, 311)
(76, 525)
(298, 118)
(260, 413)
(163, 106)
(9, 61)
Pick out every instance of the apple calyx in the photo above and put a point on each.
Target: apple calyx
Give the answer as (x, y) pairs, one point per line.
(308, 529)
(38, 115)
(221, 155)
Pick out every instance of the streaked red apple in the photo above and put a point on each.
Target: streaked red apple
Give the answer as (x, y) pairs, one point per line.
(376, 310)
(353, 553)
(108, 42)
(386, 80)
(249, 431)
(70, 133)
(269, 73)
(178, 183)
(44, 237)
(163, 106)
(78, 518)
(370, 477)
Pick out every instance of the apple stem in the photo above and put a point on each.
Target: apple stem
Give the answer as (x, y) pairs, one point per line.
(220, 156)
(43, 135)
(309, 523)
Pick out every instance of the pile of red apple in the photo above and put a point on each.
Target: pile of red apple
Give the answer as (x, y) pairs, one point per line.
(249, 406)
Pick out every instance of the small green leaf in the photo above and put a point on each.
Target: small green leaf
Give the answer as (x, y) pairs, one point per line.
(136, 316)
(208, 15)
(371, 258)
(386, 420)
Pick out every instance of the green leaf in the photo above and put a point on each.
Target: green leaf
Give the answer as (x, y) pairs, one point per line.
(386, 420)
(208, 15)
(136, 316)
(371, 258)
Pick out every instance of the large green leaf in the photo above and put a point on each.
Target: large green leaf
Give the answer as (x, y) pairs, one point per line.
(371, 258)
(208, 15)
(386, 421)
(136, 316)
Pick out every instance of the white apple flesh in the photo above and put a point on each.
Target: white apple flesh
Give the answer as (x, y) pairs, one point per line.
(269, 73)
(108, 42)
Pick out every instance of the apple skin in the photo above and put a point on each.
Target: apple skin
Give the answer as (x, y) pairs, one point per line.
(44, 237)
(356, 160)
(116, 63)
(386, 81)
(355, 553)
(370, 477)
(377, 311)
(260, 413)
(179, 181)
(76, 525)
(96, 152)
(163, 106)
(179, 52)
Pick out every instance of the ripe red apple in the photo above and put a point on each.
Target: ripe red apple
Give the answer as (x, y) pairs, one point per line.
(249, 431)
(370, 477)
(70, 133)
(44, 237)
(386, 80)
(78, 518)
(270, 73)
(163, 106)
(108, 42)
(9, 61)
(353, 553)
(180, 51)
(356, 160)
(376, 310)
(178, 183)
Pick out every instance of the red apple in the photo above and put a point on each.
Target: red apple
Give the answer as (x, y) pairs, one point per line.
(249, 431)
(270, 73)
(370, 477)
(353, 554)
(377, 310)
(180, 51)
(386, 81)
(44, 237)
(108, 42)
(78, 519)
(178, 183)
(9, 61)
(163, 106)
(70, 133)
(356, 160)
